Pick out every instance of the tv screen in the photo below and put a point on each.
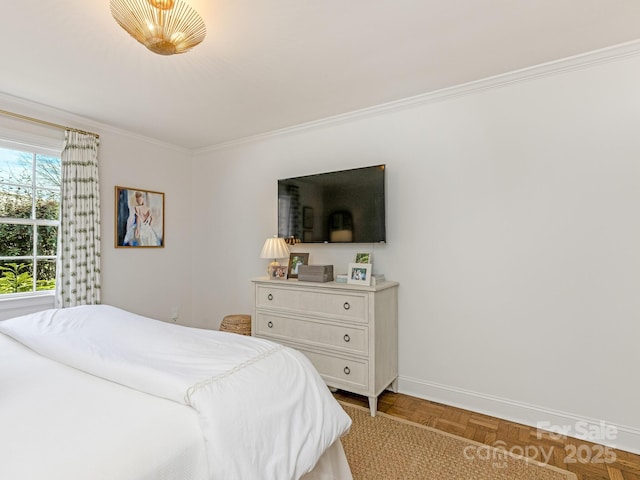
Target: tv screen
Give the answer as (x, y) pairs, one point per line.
(346, 206)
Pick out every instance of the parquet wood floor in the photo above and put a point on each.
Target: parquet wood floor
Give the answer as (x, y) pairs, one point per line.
(588, 461)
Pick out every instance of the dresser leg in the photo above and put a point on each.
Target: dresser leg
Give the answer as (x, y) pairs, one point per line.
(373, 405)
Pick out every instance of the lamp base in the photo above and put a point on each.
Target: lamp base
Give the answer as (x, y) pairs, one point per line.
(271, 269)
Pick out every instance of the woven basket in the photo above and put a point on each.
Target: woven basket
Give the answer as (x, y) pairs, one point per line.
(239, 323)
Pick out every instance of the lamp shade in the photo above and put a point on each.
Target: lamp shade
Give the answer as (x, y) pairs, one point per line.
(274, 248)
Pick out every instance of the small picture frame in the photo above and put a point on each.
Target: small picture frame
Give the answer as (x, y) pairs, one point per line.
(295, 260)
(363, 257)
(279, 272)
(359, 274)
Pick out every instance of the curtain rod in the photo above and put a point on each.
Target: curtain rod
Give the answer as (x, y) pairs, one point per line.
(43, 122)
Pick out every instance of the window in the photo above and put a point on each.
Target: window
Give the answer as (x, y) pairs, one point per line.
(29, 218)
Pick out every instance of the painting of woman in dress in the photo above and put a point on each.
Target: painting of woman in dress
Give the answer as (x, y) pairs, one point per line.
(139, 218)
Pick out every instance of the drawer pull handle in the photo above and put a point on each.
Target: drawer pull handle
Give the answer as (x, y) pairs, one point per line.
(347, 370)
(270, 324)
(347, 338)
(269, 297)
(346, 306)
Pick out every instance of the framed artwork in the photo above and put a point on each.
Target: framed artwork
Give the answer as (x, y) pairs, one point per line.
(139, 218)
(279, 272)
(363, 257)
(307, 217)
(295, 260)
(359, 273)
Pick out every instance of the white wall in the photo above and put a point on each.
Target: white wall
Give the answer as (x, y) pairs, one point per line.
(147, 281)
(513, 229)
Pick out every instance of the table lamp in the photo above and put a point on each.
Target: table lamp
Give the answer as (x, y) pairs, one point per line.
(274, 248)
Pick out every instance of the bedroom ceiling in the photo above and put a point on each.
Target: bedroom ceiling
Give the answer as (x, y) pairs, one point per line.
(267, 65)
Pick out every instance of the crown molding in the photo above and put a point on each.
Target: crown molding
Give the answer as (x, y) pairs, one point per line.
(555, 67)
(585, 60)
(51, 114)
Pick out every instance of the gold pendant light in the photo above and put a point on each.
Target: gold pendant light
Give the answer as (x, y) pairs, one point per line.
(165, 27)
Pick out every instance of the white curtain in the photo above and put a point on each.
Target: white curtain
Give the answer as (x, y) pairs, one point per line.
(78, 266)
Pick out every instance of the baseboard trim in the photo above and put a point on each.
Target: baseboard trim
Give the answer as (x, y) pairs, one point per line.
(622, 437)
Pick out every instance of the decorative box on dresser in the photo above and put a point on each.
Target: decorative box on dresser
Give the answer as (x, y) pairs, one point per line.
(349, 332)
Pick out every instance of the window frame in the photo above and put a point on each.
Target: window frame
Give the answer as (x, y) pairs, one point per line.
(35, 145)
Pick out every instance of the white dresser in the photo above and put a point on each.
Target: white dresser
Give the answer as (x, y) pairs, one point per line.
(349, 332)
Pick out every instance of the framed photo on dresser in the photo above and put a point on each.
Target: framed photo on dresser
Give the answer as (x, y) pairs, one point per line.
(363, 257)
(279, 272)
(359, 274)
(295, 260)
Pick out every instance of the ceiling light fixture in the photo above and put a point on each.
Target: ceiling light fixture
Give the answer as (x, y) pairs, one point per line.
(165, 27)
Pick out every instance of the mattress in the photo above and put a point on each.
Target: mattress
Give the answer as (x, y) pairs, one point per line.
(73, 406)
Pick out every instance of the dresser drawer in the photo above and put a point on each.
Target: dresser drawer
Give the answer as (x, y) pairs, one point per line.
(347, 338)
(338, 372)
(339, 304)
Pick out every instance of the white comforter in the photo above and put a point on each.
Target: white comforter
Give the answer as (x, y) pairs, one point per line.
(265, 412)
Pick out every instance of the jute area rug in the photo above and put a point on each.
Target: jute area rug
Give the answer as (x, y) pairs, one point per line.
(388, 448)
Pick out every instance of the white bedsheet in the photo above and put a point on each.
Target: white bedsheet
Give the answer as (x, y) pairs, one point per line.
(251, 396)
(58, 423)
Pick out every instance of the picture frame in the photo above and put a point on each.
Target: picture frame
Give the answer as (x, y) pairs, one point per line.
(139, 218)
(363, 257)
(295, 260)
(359, 274)
(279, 272)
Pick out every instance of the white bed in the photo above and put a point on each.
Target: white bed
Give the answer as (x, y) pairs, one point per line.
(95, 392)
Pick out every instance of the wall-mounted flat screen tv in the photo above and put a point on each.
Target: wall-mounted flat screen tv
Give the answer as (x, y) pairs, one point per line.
(347, 206)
